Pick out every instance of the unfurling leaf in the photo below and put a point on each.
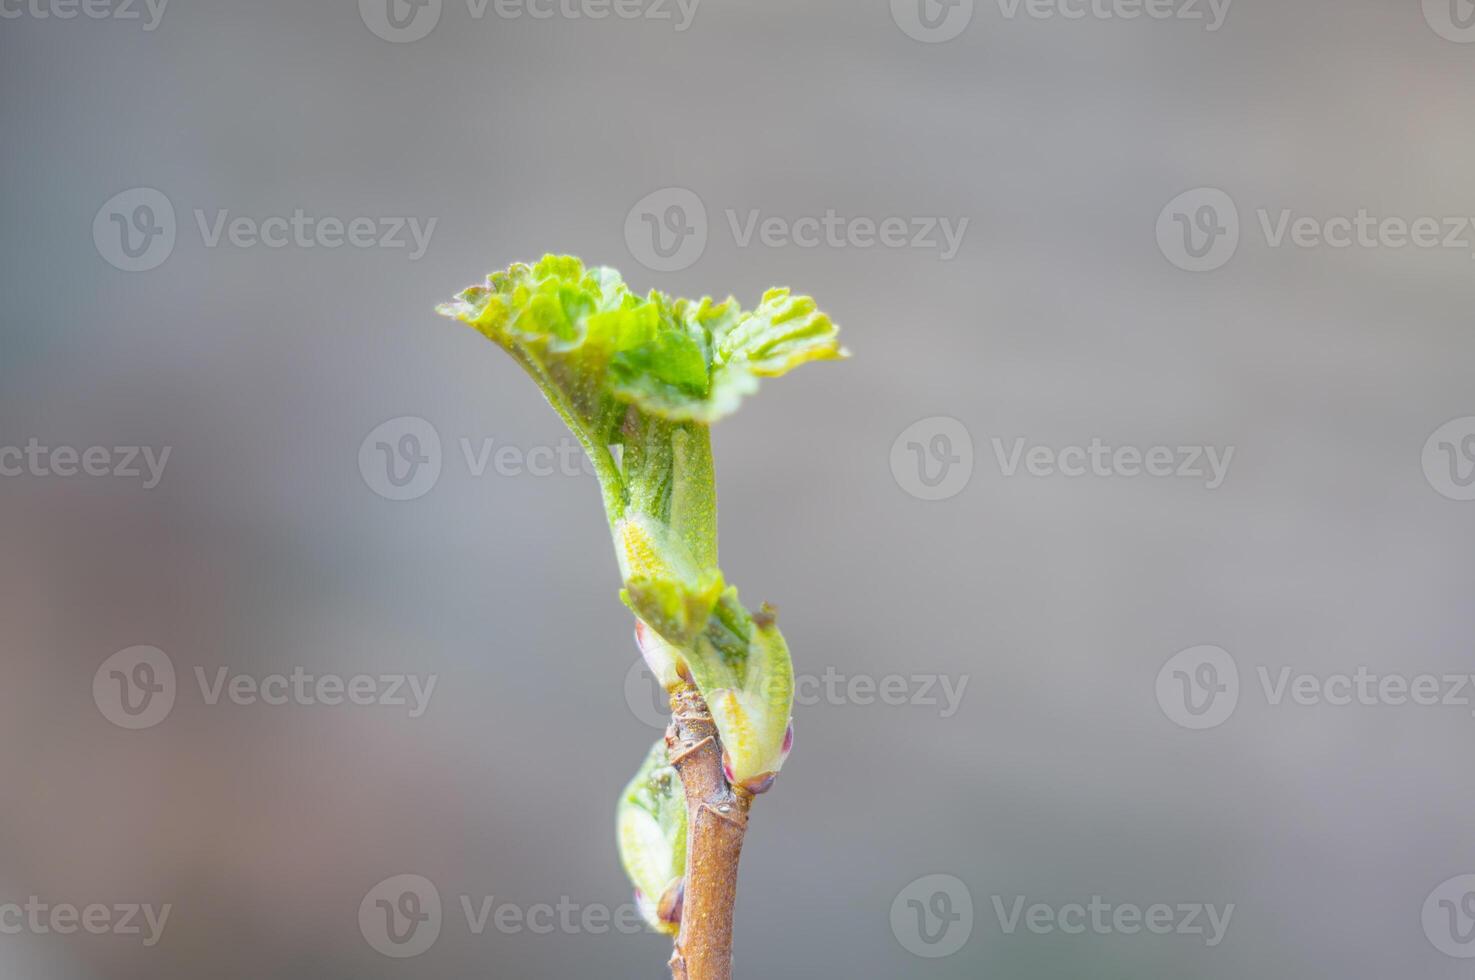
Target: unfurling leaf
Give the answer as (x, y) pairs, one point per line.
(595, 346)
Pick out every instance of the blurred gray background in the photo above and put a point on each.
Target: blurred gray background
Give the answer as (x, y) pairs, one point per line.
(1064, 773)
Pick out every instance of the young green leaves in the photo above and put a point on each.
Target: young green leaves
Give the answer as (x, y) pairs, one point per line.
(651, 820)
(595, 346)
(638, 379)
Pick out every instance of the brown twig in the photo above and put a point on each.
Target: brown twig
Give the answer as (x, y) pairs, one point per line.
(717, 820)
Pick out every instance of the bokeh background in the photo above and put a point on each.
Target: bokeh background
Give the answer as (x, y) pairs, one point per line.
(1060, 776)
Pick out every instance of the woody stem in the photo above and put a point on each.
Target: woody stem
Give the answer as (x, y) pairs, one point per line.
(717, 820)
